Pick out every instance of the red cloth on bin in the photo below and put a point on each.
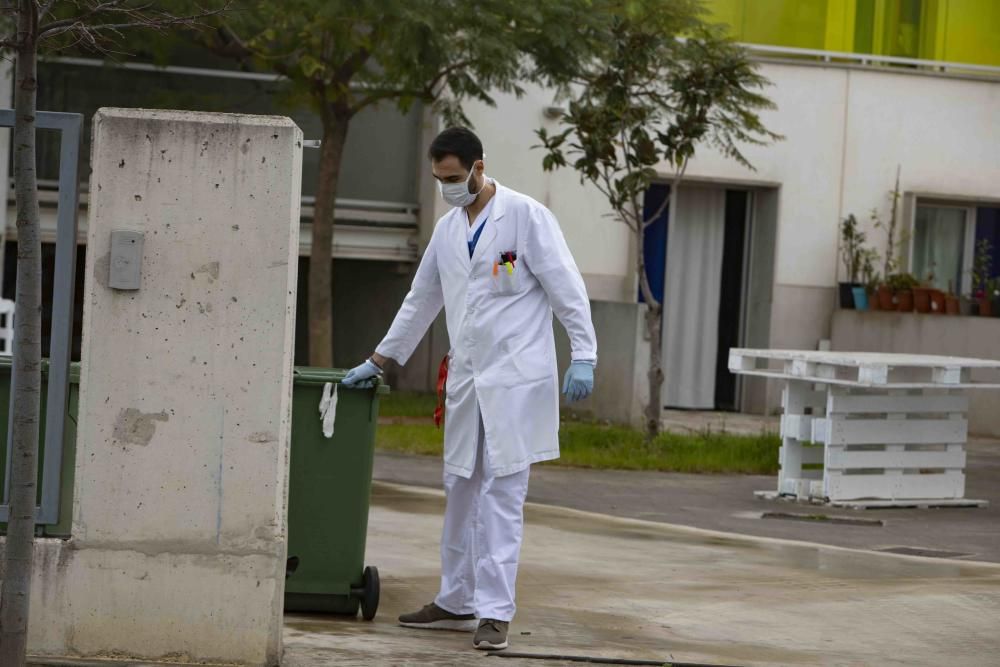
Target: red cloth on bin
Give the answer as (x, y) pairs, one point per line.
(442, 380)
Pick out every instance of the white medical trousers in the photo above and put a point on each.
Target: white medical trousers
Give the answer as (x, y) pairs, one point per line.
(481, 541)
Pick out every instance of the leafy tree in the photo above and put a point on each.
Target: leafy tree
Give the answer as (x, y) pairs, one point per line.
(663, 83)
(28, 28)
(342, 56)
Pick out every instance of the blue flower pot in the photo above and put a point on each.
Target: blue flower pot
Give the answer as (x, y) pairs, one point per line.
(860, 298)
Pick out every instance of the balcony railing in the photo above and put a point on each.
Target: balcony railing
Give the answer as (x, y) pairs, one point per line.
(764, 51)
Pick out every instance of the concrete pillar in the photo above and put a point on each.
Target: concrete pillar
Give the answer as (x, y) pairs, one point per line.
(179, 523)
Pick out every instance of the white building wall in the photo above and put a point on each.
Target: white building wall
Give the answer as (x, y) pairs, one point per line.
(599, 243)
(845, 131)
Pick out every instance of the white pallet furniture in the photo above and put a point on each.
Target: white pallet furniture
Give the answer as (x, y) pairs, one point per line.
(870, 429)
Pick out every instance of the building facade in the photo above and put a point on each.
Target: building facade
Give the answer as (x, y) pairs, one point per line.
(864, 89)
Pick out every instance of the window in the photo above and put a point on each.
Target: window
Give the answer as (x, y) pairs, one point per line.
(382, 145)
(945, 237)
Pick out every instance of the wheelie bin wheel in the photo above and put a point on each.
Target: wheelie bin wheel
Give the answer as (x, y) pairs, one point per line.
(370, 593)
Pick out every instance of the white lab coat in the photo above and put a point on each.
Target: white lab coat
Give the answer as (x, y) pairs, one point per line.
(502, 357)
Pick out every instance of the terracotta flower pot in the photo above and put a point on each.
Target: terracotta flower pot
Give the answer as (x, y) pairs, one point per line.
(904, 301)
(952, 305)
(985, 306)
(922, 299)
(937, 301)
(885, 300)
(873, 300)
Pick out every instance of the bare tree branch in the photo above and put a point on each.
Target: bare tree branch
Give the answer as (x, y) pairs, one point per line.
(46, 8)
(141, 16)
(79, 19)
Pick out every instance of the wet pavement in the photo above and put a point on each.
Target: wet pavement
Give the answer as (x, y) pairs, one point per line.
(727, 503)
(596, 585)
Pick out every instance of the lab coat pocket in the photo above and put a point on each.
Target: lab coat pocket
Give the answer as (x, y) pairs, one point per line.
(505, 282)
(532, 362)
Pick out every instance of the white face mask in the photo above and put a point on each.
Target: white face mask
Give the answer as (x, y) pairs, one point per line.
(457, 194)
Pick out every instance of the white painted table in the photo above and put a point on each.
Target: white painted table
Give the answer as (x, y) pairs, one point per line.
(870, 429)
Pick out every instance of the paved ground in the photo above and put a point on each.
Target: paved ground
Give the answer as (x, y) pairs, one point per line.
(726, 502)
(697, 421)
(652, 584)
(595, 585)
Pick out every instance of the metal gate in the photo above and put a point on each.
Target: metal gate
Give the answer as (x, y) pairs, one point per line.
(60, 338)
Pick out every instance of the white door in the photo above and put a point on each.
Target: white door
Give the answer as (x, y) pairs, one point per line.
(695, 238)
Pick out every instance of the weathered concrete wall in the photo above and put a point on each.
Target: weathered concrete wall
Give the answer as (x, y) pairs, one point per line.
(178, 547)
(914, 333)
(620, 386)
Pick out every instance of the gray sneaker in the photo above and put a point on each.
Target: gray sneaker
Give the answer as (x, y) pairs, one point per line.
(491, 635)
(433, 617)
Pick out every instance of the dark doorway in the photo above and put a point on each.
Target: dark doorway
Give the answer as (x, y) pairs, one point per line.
(731, 296)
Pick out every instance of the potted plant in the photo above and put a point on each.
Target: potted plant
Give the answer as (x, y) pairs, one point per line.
(870, 278)
(902, 285)
(927, 298)
(922, 295)
(952, 303)
(992, 296)
(883, 292)
(851, 250)
(938, 301)
(894, 240)
(983, 286)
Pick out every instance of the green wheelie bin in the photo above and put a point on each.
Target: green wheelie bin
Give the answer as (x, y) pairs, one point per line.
(329, 489)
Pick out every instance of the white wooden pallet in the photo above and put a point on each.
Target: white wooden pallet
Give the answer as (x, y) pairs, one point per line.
(870, 429)
(885, 444)
(864, 369)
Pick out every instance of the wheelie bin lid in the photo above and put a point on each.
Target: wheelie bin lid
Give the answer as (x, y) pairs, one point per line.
(311, 375)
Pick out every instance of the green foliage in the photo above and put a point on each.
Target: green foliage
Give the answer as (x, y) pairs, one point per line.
(982, 267)
(662, 82)
(869, 274)
(893, 244)
(616, 447)
(343, 55)
(408, 404)
(902, 281)
(852, 251)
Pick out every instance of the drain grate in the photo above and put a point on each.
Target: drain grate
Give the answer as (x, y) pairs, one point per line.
(921, 551)
(823, 518)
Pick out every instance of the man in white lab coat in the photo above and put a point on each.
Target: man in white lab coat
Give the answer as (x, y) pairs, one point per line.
(500, 267)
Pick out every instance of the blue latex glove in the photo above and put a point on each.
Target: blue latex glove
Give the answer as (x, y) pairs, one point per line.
(362, 377)
(579, 382)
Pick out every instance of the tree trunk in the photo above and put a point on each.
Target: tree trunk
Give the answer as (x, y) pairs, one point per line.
(654, 327)
(18, 555)
(321, 257)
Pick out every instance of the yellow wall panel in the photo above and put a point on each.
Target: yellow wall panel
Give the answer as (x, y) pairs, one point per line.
(972, 32)
(953, 30)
